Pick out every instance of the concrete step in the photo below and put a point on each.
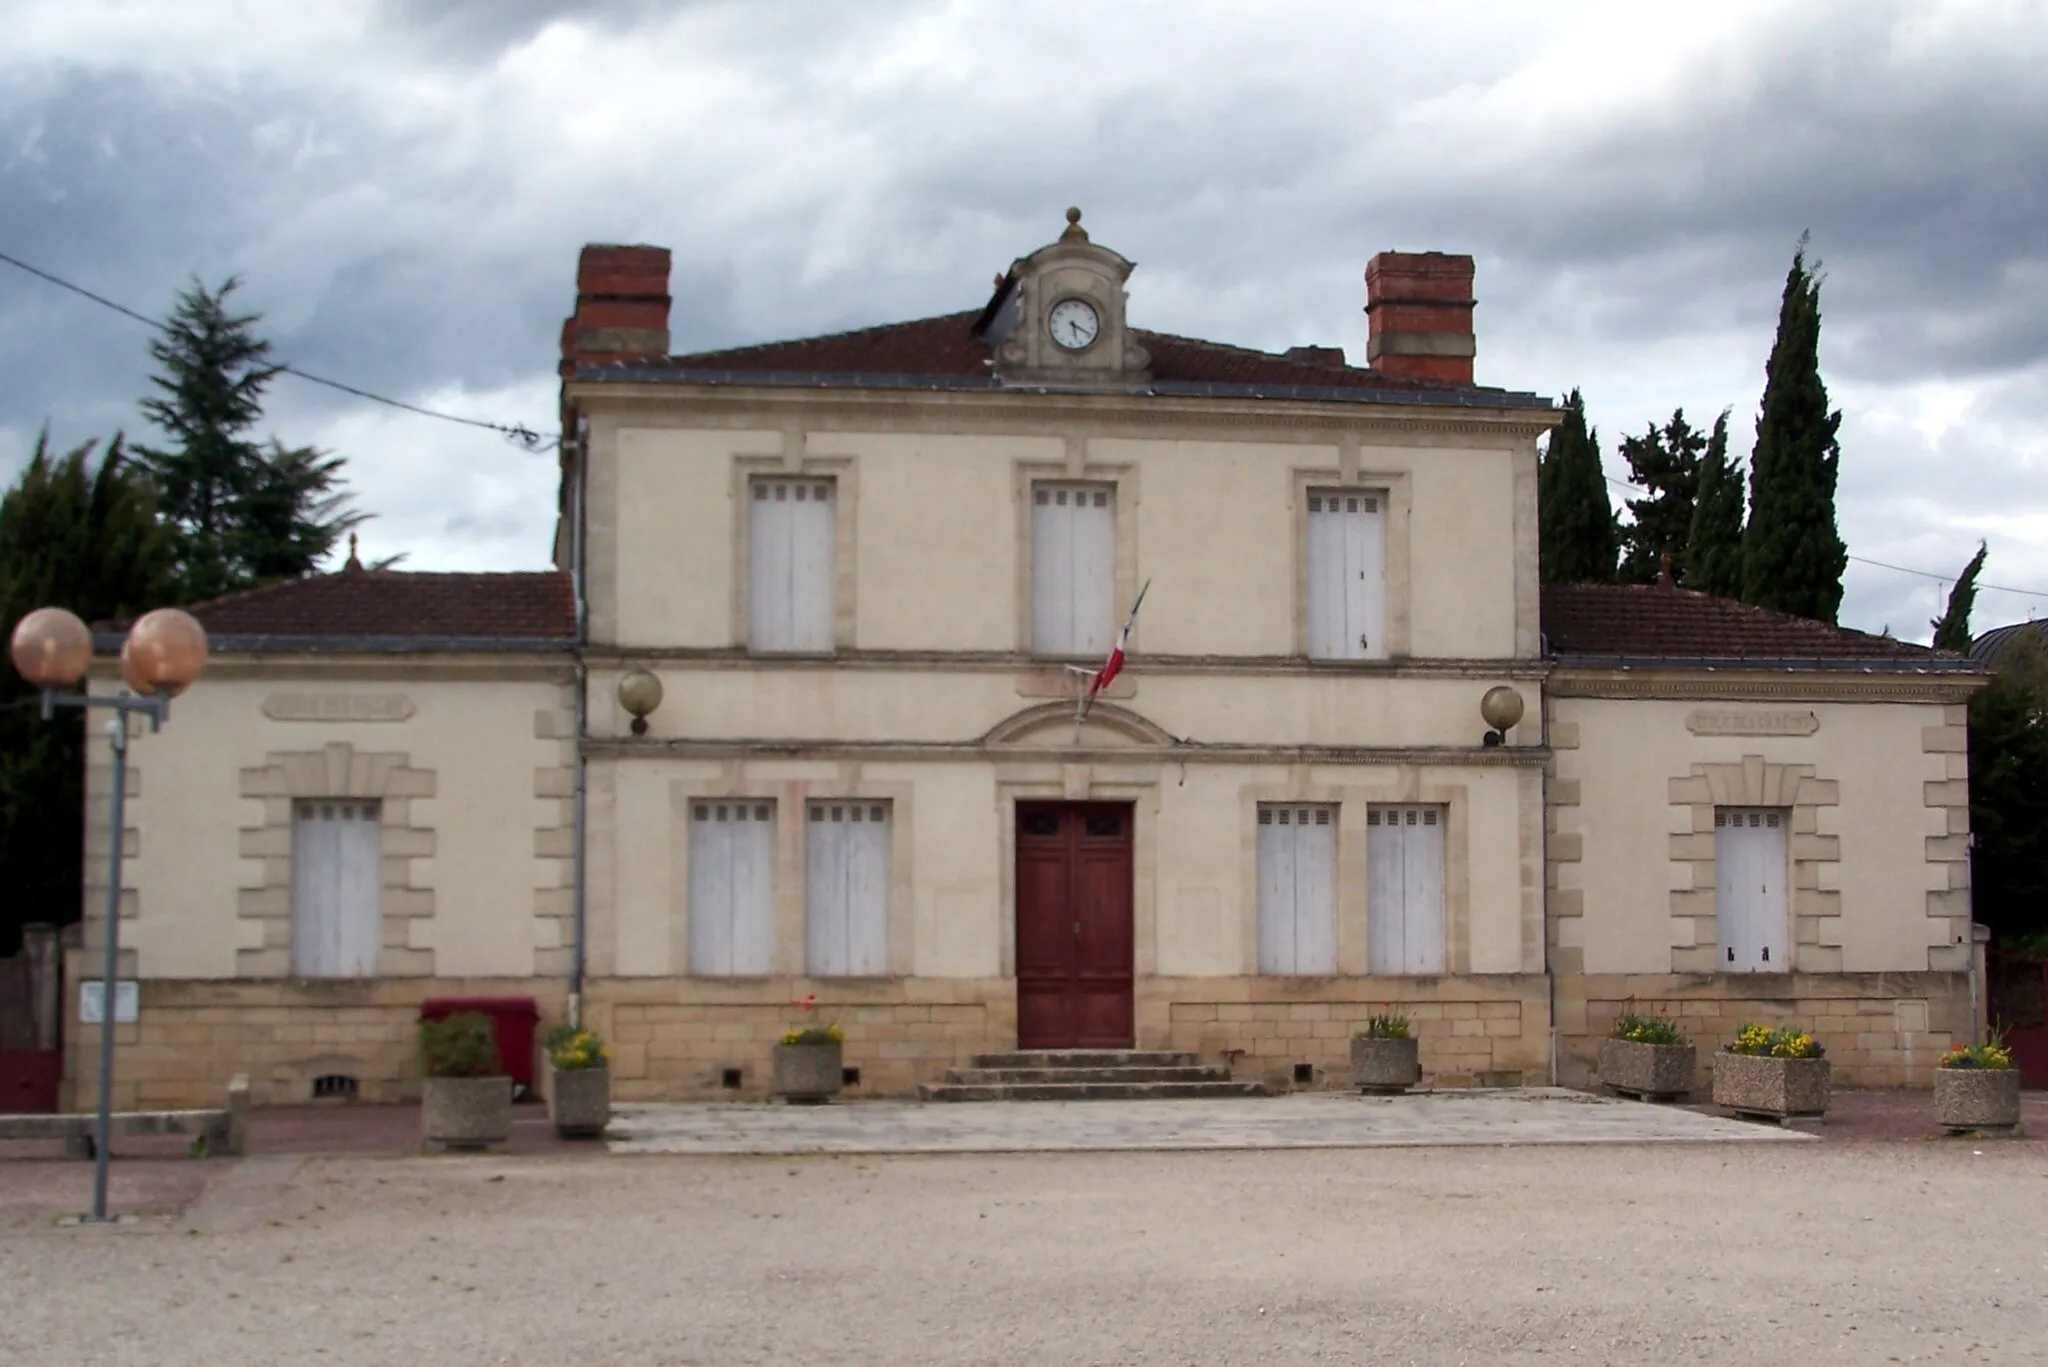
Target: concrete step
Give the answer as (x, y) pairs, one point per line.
(1087, 1091)
(995, 1076)
(1086, 1058)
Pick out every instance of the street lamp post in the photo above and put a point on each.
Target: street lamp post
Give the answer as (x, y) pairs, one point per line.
(163, 654)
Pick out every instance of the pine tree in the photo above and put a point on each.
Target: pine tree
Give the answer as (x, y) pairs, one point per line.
(1712, 562)
(1667, 464)
(1952, 628)
(240, 514)
(83, 537)
(1576, 536)
(1792, 553)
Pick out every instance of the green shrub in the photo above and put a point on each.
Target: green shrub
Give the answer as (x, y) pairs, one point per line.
(1658, 1029)
(462, 1045)
(1386, 1027)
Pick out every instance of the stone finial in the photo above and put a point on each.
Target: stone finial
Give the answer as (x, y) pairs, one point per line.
(1075, 232)
(354, 563)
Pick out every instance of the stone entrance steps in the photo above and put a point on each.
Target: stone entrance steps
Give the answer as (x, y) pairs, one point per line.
(1086, 1075)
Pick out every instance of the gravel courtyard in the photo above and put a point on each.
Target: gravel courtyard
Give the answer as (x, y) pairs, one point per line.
(1724, 1253)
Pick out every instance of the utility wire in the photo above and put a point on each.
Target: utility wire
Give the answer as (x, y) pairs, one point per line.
(524, 436)
(1866, 560)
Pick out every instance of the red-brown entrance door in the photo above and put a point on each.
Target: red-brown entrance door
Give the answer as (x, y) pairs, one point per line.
(1073, 925)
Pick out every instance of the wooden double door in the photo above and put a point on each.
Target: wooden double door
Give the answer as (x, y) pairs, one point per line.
(1074, 940)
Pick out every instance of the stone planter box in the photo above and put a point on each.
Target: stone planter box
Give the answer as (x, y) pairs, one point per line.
(579, 1100)
(466, 1112)
(1385, 1065)
(1977, 1099)
(1654, 1072)
(808, 1073)
(1777, 1088)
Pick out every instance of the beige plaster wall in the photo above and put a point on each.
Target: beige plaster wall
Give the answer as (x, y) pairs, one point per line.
(1881, 880)
(1195, 899)
(936, 524)
(475, 786)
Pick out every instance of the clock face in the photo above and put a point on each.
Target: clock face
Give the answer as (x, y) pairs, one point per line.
(1073, 324)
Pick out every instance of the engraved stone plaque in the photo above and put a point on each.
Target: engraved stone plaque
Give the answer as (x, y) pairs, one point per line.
(349, 707)
(1752, 721)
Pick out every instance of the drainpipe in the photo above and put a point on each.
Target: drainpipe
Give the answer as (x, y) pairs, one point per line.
(582, 718)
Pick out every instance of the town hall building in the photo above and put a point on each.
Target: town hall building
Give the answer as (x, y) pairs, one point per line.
(798, 711)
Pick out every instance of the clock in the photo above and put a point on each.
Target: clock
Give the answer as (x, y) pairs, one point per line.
(1073, 324)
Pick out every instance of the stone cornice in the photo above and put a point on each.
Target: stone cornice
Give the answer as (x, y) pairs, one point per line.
(1784, 685)
(1190, 752)
(387, 669)
(1010, 412)
(1004, 662)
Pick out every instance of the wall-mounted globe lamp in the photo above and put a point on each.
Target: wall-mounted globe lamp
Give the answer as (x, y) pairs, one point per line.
(1501, 708)
(163, 655)
(640, 694)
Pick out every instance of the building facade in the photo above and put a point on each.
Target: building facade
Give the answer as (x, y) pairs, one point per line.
(872, 575)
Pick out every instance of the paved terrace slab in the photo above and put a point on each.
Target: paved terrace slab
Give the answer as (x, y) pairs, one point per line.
(1310, 1120)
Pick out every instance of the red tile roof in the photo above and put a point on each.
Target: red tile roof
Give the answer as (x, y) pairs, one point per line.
(1652, 621)
(946, 347)
(400, 605)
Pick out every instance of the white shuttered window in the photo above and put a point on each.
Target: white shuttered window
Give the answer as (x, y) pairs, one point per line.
(791, 534)
(1404, 855)
(1347, 575)
(1749, 891)
(732, 887)
(1073, 568)
(1297, 889)
(846, 889)
(337, 871)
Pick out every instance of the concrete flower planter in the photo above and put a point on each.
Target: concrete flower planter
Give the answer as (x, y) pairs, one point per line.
(1977, 1099)
(1385, 1065)
(1775, 1088)
(466, 1112)
(808, 1073)
(1654, 1072)
(579, 1100)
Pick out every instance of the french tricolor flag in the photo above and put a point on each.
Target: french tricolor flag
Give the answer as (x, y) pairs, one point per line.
(1114, 665)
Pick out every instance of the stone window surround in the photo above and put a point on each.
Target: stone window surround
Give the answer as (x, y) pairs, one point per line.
(1398, 488)
(1353, 875)
(795, 462)
(791, 799)
(1122, 479)
(336, 770)
(1815, 903)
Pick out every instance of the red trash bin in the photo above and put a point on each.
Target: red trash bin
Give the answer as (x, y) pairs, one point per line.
(512, 1020)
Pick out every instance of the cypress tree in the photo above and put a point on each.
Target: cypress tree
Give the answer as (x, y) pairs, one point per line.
(2009, 793)
(1792, 554)
(1952, 628)
(240, 514)
(1576, 536)
(1712, 562)
(1667, 465)
(82, 537)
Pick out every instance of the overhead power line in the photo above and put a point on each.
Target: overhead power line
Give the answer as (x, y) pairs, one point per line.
(1866, 560)
(523, 435)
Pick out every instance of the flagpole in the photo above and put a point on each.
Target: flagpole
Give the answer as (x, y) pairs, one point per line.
(1102, 677)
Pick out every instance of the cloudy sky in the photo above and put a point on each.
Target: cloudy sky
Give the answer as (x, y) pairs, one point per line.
(403, 185)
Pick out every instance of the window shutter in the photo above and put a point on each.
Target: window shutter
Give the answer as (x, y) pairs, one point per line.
(846, 889)
(732, 905)
(1750, 867)
(1404, 853)
(1073, 569)
(1297, 868)
(791, 565)
(1347, 599)
(337, 877)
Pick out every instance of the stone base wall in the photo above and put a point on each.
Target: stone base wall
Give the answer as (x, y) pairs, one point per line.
(192, 1036)
(1480, 1030)
(1879, 1029)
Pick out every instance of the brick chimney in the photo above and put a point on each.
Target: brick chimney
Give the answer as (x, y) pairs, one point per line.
(1418, 309)
(621, 307)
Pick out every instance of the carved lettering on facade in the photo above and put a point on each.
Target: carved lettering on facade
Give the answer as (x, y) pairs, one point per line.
(1751, 722)
(337, 707)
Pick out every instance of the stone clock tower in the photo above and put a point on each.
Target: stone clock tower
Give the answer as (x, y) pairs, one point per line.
(1057, 319)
